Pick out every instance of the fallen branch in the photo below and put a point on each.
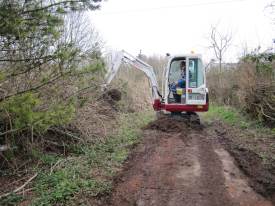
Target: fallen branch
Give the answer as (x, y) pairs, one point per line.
(20, 188)
(55, 165)
(262, 110)
(65, 133)
(24, 191)
(53, 143)
(10, 131)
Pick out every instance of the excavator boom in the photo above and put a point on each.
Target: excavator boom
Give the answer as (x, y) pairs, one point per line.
(137, 63)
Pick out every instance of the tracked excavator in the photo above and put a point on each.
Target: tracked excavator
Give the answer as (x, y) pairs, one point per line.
(182, 94)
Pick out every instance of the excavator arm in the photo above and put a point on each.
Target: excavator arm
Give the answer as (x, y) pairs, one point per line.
(124, 57)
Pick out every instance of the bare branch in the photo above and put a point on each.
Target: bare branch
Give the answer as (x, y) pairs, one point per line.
(19, 188)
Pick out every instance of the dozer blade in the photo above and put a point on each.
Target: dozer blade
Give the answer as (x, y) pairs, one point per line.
(191, 118)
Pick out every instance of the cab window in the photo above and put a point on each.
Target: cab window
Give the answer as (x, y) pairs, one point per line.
(196, 74)
(175, 71)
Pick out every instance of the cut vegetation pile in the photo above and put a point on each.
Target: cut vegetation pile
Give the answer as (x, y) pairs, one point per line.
(97, 118)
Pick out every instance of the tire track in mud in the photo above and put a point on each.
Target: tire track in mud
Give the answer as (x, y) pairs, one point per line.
(177, 165)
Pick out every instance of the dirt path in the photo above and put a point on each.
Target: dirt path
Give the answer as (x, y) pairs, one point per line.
(179, 166)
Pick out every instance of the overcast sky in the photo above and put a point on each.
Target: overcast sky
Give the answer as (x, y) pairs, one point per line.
(180, 26)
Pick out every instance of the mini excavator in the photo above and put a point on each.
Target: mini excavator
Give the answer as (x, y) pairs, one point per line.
(182, 94)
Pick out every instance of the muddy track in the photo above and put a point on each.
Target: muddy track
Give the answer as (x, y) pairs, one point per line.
(178, 165)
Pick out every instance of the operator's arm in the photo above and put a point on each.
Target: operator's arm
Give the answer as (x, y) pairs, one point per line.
(181, 83)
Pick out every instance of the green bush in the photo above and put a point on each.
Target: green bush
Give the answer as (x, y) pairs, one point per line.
(44, 65)
(23, 111)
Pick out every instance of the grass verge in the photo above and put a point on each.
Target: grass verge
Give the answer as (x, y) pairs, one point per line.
(233, 117)
(228, 114)
(87, 172)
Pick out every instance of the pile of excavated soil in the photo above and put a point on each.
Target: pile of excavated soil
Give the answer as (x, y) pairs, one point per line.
(168, 124)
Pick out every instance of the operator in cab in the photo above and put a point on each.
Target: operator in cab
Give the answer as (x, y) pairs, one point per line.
(178, 88)
(182, 81)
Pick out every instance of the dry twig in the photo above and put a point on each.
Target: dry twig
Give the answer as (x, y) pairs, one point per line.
(17, 190)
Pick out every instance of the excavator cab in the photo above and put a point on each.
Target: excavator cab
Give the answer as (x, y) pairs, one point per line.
(185, 85)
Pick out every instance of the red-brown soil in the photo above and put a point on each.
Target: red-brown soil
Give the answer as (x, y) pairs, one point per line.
(177, 165)
(253, 153)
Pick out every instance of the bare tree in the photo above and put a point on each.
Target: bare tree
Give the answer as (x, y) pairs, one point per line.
(219, 43)
(79, 31)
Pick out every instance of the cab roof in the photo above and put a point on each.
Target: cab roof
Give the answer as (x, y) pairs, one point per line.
(185, 56)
